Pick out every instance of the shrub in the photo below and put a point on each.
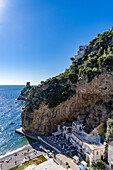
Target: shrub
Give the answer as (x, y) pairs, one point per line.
(72, 58)
(100, 165)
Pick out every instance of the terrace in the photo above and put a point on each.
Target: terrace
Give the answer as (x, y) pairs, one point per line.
(61, 144)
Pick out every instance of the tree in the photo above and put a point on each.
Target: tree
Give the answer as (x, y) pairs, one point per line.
(72, 58)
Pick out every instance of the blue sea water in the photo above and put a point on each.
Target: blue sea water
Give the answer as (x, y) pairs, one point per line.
(10, 111)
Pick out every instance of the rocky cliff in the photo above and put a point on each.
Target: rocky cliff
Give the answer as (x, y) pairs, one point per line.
(84, 91)
(24, 93)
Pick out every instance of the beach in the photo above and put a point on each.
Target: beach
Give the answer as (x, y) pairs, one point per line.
(17, 157)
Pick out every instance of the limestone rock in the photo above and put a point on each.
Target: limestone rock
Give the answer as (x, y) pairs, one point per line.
(93, 101)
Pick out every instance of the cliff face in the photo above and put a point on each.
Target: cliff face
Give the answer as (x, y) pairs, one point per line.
(24, 93)
(84, 91)
(93, 101)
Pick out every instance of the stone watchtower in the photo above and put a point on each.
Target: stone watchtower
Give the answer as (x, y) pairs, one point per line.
(28, 84)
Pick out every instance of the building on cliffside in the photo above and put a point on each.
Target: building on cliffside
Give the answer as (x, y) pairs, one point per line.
(80, 52)
(28, 84)
(110, 154)
(66, 129)
(87, 144)
(91, 148)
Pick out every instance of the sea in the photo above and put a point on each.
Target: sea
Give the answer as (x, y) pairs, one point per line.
(10, 111)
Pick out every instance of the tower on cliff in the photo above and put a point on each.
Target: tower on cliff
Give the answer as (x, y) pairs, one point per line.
(28, 84)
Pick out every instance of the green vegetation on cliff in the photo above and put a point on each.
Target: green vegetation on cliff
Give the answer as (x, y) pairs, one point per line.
(97, 58)
(109, 132)
(25, 91)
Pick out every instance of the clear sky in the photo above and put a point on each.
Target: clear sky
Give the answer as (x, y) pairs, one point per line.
(38, 37)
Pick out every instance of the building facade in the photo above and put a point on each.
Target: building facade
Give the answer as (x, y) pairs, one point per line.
(28, 84)
(110, 154)
(66, 129)
(80, 52)
(86, 144)
(93, 151)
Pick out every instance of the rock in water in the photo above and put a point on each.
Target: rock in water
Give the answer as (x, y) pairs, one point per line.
(12, 123)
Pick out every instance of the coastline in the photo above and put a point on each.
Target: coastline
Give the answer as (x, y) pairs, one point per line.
(9, 153)
(20, 155)
(18, 148)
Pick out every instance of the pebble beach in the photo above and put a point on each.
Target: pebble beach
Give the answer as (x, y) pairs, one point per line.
(19, 156)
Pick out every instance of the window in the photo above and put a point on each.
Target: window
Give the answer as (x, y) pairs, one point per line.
(97, 152)
(80, 128)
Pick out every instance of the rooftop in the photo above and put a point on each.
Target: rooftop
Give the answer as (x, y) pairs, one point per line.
(84, 163)
(75, 157)
(65, 159)
(81, 135)
(77, 123)
(66, 124)
(56, 133)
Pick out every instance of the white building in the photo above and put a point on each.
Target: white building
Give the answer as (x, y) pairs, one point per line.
(76, 159)
(76, 125)
(80, 53)
(84, 164)
(93, 151)
(110, 154)
(87, 144)
(66, 129)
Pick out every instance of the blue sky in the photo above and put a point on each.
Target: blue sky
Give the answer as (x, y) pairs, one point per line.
(38, 37)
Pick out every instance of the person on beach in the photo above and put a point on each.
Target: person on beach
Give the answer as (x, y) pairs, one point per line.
(7, 161)
(28, 150)
(35, 153)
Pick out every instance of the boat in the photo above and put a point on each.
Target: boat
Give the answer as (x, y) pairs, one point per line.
(12, 123)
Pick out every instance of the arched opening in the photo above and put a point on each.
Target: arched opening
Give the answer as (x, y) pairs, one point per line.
(80, 128)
